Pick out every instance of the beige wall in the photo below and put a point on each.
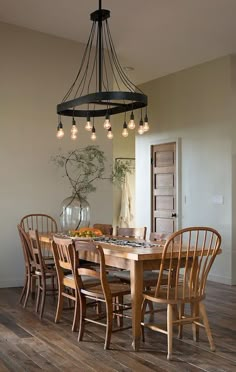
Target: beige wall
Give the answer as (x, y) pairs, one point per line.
(35, 72)
(194, 107)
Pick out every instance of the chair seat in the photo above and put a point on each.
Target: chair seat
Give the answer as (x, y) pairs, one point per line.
(48, 274)
(172, 298)
(115, 288)
(88, 280)
(149, 277)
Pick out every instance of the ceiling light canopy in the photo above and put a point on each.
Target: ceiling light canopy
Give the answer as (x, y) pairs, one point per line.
(91, 94)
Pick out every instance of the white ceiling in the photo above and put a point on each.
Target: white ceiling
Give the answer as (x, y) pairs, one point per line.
(156, 37)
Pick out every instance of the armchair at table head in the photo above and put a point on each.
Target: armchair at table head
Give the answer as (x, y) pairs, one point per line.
(154, 236)
(105, 228)
(132, 232)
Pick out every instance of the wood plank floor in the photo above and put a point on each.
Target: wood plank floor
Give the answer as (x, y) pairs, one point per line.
(28, 344)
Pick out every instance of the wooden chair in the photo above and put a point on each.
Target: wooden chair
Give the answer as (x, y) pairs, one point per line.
(43, 223)
(63, 261)
(132, 232)
(158, 237)
(63, 257)
(29, 266)
(43, 272)
(105, 292)
(202, 245)
(106, 229)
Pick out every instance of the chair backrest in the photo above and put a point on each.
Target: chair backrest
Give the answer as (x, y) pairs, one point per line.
(188, 255)
(37, 252)
(40, 222)
(25, 243)
(132, 232)
(154, 236)
(105, 228)
(62, 253)
(94, 252)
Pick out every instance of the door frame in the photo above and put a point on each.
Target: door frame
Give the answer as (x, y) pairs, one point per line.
(178, 177)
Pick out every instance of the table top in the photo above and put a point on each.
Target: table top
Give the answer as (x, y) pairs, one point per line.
(147, 251)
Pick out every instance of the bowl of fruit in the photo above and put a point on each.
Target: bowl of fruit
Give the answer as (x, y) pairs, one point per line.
(85, 233)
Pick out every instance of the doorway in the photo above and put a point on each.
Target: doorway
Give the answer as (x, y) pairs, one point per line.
(164, 188)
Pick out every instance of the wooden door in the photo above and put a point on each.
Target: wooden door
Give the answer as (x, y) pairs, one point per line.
(164, 188)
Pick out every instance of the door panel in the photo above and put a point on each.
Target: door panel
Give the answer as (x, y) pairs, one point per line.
(164, 225)
(162, 213)
(164, 180)
(164, 158)
(164, 188)
(164, 202)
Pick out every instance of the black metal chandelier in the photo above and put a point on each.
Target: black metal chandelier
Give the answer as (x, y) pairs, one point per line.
(97, 64)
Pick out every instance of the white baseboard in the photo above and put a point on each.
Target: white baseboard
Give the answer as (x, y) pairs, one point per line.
(220, 279)
(11, 283)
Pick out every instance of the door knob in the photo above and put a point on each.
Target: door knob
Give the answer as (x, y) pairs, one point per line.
(174, 215)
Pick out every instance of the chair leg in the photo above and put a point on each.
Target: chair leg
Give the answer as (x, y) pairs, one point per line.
(82, 315)
(180, 327)
(60, 302)
(54, 287)
(43, 297)
(151, 307)
(169, 330)
(109, 313)
(76, 314)
(195, 327)
(33, 286)
(24, 286)
(120, 301)
(207, 326)
(28, 289)
(98, 308)
(38, 294)
(69, 291)
(143, 309)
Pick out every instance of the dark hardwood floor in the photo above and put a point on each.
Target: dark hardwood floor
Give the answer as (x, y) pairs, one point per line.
(28, 344)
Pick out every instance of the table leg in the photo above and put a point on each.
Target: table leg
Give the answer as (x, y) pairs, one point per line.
(136, 281)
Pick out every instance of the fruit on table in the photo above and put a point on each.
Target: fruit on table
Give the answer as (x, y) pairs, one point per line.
(85, 232)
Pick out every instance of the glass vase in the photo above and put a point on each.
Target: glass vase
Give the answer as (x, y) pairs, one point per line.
(75, 213)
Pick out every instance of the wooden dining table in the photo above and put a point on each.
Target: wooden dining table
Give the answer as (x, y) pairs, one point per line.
(137, 260)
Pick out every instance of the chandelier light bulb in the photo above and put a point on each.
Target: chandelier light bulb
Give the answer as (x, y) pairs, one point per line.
(146, 125)
(93, 135)
(110, 134)
(125, 132)
(141, 129)
(73, 136)
(107, 124)
(88, 125)
(131, 124)
(60, 131)
(74, 129)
